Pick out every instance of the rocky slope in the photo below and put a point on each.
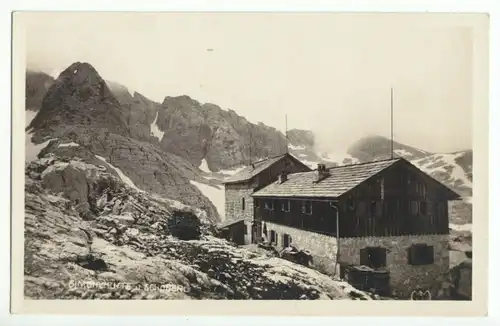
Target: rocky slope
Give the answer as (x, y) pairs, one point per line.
(80, 116)
(88, 235)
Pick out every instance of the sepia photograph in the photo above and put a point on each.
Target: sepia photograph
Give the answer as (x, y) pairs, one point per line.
(247, 156)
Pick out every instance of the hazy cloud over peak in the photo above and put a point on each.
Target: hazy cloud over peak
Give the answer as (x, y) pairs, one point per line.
(329, 73)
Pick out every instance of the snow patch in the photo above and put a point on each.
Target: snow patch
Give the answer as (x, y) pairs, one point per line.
(440, 163)
(72, 144)
(402, 152)
(311, 164)
(214, 194)
(339, 157)
(122, 175)
(155, 131)
(461, 227)
(32, 150)
(204, 166)
(296, 148)
(233, 171)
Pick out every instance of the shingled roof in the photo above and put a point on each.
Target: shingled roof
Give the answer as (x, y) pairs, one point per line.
(340, 180)
(255, 168)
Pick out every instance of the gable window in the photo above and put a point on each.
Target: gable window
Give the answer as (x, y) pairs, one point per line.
(306, 207)
(242, 204)
(269, 205)
(285, 206)
(374, 257)
(420, 254)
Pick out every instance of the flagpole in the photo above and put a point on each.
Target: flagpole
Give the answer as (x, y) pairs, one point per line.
(392, 125)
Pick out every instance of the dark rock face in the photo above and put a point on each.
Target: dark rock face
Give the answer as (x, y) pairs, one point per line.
(223, 138)
(79, 96)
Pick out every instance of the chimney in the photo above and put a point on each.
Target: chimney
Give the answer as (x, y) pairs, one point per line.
(322, 172)
(283, 176)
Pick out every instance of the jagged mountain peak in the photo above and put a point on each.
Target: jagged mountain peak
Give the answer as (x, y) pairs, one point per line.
(79, 96)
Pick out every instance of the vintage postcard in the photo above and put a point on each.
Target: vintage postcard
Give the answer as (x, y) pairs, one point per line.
(242, 161)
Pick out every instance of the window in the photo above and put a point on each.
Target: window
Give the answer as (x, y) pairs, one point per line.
(374, 257)
(307, 207)
(257, 203)
(285, 206)
(242, 204)
(420, 254)
(424, 190)
(273, 236)
(269, 205)
(287, 240)
(423, 208)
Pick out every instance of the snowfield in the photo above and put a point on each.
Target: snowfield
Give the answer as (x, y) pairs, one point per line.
(215, 194)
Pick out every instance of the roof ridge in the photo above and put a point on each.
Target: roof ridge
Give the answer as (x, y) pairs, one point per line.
(363, 163)
(266, 159)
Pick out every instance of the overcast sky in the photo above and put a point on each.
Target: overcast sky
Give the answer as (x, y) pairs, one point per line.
(330, 73)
